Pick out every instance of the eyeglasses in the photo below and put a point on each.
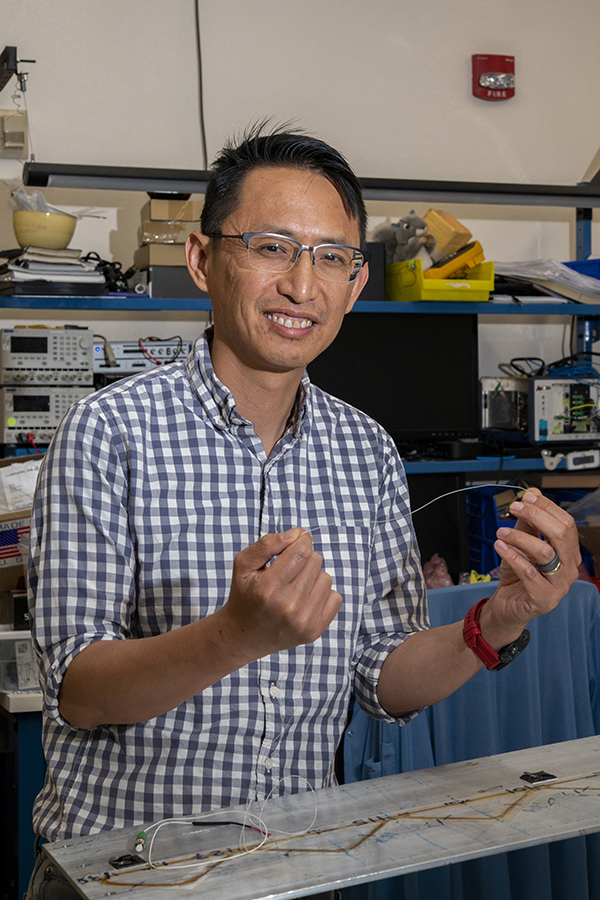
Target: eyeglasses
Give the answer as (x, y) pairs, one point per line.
(276, 253)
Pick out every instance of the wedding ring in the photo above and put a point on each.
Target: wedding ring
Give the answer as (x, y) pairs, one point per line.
(550, 568)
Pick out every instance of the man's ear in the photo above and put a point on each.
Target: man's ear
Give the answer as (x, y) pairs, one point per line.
(357, 286)
(195, 257)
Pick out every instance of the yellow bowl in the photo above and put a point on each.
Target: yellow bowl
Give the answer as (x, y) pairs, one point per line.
(42, 229)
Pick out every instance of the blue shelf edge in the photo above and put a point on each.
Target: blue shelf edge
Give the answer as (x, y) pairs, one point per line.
(489, 464)
(200, 304)
(107, 302)
(489, 309)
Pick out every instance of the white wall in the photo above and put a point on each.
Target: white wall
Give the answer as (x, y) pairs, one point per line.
(387, 81)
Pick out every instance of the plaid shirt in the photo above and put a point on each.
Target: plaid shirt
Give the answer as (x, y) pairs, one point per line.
(147, 493)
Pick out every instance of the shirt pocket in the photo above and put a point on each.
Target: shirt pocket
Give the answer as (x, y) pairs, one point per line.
(346, 552)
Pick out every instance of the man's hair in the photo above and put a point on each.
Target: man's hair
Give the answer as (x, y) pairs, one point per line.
(281, 146)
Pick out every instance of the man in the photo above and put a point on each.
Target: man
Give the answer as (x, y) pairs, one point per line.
(221, 553)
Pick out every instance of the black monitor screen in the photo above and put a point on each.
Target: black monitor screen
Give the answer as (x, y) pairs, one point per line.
(417, 374)
(28, 344)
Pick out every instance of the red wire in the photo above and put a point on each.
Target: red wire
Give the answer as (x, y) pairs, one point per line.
(158, 362)
(30, 439)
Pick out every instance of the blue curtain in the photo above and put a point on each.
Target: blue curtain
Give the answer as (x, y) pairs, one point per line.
(547, 695)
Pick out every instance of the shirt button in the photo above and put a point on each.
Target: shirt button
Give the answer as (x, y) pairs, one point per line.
(274, 690)
(268, 764)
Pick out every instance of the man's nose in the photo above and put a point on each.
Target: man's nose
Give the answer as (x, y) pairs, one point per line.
(300, 282)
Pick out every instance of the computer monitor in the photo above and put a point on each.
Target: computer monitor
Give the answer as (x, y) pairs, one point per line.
(417, 374)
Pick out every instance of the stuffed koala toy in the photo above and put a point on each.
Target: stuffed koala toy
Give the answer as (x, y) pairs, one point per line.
(406, 239)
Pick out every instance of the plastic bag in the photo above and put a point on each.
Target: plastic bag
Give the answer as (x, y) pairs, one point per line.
(36, 202)
(436, 573)
(586, 513)
(550, 270)
(587, 510)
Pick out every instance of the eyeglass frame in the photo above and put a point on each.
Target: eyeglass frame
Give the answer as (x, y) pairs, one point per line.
(247, 236)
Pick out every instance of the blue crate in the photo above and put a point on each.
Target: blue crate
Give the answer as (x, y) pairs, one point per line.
(589, 267)
(482, 524)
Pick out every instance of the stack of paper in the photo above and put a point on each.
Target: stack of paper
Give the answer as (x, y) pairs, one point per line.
(553, 276)
(36, 270)
(17, 485)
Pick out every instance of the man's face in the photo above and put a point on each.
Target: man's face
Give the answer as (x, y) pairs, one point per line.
(276, 321)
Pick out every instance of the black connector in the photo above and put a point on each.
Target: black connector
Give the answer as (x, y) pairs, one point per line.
(8, 65)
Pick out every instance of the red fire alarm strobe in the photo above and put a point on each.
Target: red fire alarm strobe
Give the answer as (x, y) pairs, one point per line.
(493, 76)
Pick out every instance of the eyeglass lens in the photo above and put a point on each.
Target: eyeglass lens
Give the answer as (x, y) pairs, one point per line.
(276, 254)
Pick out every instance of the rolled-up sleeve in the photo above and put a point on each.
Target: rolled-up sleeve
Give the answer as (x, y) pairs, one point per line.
(82, 559)
(395, 602)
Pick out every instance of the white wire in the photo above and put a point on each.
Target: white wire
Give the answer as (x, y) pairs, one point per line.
(314, 818)
(212, 859)
(471, 487)
(249, 817)
(16, 97)
(285, 725)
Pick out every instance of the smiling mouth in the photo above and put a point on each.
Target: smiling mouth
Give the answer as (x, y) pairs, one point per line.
(288, 322)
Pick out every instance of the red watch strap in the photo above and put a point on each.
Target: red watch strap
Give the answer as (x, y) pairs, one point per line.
(473, 639)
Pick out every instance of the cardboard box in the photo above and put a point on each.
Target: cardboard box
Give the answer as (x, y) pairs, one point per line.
(152, 232)
(159, 255)
(503, 501)
(449, 233)
(172, 210)
(564, 479)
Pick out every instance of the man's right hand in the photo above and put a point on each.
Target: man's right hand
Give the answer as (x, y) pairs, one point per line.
(280, 596)
(270, 608)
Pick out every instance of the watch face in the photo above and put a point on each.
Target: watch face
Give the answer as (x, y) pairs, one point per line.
(511, 651)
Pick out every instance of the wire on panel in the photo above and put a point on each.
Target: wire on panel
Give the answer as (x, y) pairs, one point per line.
(200, 84)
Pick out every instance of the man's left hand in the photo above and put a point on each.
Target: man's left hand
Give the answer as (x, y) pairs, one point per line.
(435, 662)
(544, 534)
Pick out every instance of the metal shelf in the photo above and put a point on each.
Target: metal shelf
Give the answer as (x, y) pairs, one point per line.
(481, 464)
(583, 310)
(583, 197)
(36, 174)
(109, 302)
(580, 195)
(199, 304)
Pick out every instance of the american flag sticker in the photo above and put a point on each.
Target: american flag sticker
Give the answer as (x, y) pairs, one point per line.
(10, 535)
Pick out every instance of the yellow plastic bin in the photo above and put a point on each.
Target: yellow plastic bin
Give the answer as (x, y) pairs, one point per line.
(404, 281)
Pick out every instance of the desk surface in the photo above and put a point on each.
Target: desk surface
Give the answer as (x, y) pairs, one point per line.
(355, 833)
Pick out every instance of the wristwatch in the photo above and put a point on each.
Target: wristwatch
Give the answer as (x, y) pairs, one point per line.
(489, 657)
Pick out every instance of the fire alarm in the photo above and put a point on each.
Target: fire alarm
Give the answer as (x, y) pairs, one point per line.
(493, 76)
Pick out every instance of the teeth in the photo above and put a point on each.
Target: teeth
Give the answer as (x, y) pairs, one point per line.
(289, 323)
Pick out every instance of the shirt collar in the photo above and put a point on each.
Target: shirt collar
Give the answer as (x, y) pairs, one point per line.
(218, 400)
